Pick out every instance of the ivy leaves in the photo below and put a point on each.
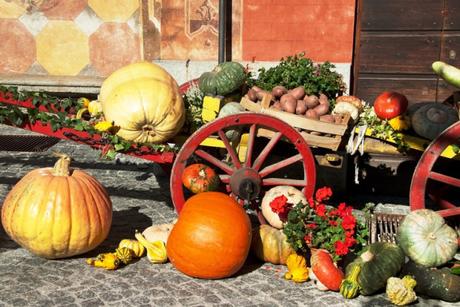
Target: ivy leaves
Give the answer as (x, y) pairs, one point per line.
(60, 113)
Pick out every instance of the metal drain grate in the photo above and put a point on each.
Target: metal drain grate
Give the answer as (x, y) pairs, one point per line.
(28, 143)
(384, 227)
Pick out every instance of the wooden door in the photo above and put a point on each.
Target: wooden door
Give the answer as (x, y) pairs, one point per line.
(396, 43)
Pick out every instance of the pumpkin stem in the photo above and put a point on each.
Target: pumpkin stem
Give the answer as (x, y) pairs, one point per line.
(367, 256)
(61, 167)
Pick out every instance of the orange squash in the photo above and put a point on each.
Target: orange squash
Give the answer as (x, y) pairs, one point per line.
(325, 270)
(57, 212)
(211, 238)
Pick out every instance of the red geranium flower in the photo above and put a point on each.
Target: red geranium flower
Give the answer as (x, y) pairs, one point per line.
(348, 222)
(323, 194)
(350, 241)
(340, 248)
(321, 210)
(311, 226)
(307, 238)
(332, 223)
(278, 204)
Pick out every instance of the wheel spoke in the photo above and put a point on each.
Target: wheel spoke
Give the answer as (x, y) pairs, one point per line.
(250, 148)
(213, 160)
(445, 179)
(276, 166)
(284, 181)
(230, 149)
(224, 178)
(266, 151)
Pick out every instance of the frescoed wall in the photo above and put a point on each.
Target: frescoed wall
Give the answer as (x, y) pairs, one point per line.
(80, 42)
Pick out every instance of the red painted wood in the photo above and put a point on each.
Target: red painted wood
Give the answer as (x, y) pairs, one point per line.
(81, 137)
(422, 173)
(249, 121)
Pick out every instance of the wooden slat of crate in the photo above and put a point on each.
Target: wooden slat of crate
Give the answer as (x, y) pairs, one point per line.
(332, 133)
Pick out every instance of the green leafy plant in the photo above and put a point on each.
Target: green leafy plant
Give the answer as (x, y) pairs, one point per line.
(381, 129)
(193, 101)
(320, 226)
(297, 70)
(61, 114)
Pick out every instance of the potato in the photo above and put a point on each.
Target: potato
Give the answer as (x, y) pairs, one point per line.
(321, 109)
(256, 88)
(279, 91)
(252, 95)
(311, 101)
(276, 105)
(301, 107)
(327, 118)
(260, 94)
(311, 113)
(298, 92)
(288, 103)
(323, 99)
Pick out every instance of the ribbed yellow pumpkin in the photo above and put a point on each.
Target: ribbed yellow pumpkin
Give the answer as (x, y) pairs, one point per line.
(144, 100)
(57, 212)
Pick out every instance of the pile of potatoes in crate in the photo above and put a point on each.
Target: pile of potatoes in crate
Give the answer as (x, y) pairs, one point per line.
(297, 101)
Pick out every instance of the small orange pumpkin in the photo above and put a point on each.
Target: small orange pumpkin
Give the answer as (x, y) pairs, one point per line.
(199, 178)
(211, 238)
(57, 212)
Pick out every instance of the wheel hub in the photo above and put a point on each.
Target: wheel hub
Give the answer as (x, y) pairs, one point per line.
(245, 183)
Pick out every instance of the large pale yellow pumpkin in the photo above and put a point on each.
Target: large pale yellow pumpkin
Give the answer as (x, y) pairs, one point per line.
(57, 212)
(144, 100)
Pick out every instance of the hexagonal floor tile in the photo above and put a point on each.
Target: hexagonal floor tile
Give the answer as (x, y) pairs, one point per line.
(112, 46)
(60, 55)
(65, 9)
(114, 10)
(10, 9)
(17, 50)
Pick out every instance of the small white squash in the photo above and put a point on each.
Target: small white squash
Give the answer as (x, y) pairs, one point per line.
(158, 232)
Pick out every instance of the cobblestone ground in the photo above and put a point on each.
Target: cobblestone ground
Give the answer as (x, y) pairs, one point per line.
(140, 196)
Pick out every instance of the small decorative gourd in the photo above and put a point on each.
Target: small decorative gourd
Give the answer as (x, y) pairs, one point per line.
(125, 255)
(156, 250)
(297, 268)
(158, 232)
(349, 288)
(401, 291)
(108, 261)
(134, 245)
(426, 238)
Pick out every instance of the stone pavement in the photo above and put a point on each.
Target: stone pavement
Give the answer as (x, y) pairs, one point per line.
(140, 195)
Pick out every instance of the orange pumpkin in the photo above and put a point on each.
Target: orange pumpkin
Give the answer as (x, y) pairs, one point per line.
(200, 178)
(57, 212)
(211, 238)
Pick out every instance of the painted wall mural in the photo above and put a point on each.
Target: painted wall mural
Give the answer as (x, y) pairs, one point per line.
(68, 38)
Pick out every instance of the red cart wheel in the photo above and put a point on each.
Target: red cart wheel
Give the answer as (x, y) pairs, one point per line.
(424, 175)
(248, 180)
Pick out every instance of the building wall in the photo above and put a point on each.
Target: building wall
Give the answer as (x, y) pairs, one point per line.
(80, 42)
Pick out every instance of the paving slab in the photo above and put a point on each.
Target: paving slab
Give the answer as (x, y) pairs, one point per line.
(140, 195)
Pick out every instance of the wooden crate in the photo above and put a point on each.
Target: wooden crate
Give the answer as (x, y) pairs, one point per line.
(316, 133)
